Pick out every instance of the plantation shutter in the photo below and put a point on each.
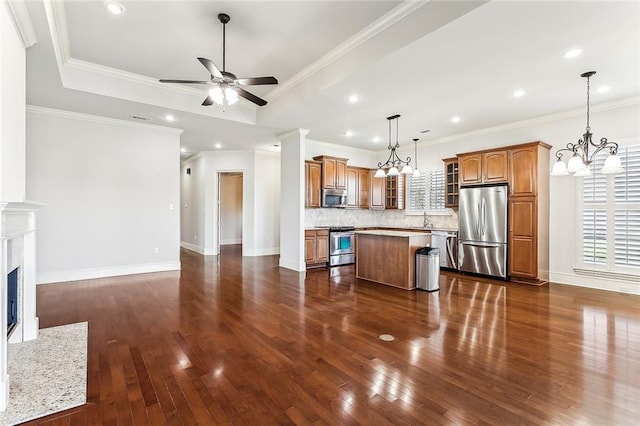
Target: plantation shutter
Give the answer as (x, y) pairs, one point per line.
(436, 190)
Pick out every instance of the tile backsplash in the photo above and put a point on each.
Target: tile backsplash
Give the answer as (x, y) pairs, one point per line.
(366, 218)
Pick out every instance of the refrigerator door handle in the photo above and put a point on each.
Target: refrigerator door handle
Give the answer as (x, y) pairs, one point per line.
(484, 216)
(482, 244)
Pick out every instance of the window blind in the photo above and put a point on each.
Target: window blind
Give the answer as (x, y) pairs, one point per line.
(416, 193)
(436, 190)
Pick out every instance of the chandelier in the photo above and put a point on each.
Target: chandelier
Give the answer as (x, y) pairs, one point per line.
(580, 160)
(393, 162)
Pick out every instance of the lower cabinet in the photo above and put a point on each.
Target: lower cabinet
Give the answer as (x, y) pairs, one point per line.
(523, 248)
(316, 247)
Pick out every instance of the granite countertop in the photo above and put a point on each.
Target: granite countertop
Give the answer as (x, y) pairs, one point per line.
(392, 233)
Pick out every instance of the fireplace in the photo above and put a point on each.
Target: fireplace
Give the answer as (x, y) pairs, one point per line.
(17, 281)
(12, 301)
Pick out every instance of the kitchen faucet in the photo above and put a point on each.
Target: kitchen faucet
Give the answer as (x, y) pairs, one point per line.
(425, 221)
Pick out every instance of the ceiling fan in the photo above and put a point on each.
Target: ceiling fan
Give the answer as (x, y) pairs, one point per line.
(226, 86)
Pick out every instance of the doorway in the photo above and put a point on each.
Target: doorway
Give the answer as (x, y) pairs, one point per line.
(230, 192)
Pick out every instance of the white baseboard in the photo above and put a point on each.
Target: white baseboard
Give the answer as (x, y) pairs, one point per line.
(261, 252)
(198, 249)
(292, 264)
(229, 242)
(595, 282)
(114, 271)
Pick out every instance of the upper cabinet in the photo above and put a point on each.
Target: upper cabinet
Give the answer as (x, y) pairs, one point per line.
(376, 191)
(353, 187)
(363, 188)
(312, 174)
(523, 173)
(394, 194)
(451, 182)
(334, 172)
(483, 167)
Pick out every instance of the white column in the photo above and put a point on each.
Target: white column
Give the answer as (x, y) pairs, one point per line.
(30, 322)
(292, 187)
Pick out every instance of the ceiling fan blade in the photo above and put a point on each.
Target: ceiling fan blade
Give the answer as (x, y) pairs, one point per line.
(250, 97)
(207, 101)
(184, 81)
(256, 81)
(211, 67)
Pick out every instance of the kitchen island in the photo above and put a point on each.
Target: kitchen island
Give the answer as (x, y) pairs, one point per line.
(388, 257)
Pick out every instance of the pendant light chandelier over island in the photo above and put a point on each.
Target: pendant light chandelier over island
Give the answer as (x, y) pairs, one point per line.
(393, 162)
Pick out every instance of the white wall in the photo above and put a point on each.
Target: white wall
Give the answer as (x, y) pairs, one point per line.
(199, 193)
(112, 193)
(12, 110)
(356, 157)
(230, 208)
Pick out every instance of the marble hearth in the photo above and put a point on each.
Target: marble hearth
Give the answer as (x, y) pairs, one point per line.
(18, 250)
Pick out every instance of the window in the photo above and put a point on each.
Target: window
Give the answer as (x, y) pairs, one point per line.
(425, 192)
(611, 215)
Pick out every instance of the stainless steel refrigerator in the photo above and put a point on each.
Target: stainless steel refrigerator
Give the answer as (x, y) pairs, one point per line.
(482, 227)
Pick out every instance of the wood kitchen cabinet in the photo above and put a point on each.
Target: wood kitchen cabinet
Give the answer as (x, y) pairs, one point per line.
(316, 247)
(364, 178)
(312, 174)
(357, 187)
(353, 187)
(483, 167)
(451, 182)
(334, 172)
(377, 192)
(394, 192)
(529, 212)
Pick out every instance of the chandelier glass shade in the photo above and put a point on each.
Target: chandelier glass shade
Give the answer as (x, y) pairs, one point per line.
(581, 158)
(394, 165)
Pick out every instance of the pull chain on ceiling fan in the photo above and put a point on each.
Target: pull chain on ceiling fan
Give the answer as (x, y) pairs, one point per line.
(226, 86)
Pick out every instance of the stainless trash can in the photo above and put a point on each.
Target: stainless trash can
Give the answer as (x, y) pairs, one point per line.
(428, 269)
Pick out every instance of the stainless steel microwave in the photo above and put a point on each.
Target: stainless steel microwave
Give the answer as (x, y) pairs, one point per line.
(334, 198)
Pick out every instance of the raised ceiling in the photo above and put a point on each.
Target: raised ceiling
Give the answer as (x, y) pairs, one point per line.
(428, 61)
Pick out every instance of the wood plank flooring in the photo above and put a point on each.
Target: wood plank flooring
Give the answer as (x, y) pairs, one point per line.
(239, 341)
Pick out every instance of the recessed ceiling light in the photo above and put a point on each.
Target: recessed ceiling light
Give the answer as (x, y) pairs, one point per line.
(376, 139)
(169, 117)
(114, 7)
(603, 89)
(349, 133)
(183, 149)
(455, 119)
(218, 145)
(570, 54)
(353, 99)
(519, 93)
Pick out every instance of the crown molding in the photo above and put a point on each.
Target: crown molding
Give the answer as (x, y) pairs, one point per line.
(22, 20)
(57, 20)
(406, 8)
(622, 103)
(34, 109)
(292, 132)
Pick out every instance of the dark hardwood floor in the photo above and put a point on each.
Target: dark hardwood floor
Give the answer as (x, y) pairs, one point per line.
(232, 340)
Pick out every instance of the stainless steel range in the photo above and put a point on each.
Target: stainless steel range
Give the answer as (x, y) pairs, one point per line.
(341, 245)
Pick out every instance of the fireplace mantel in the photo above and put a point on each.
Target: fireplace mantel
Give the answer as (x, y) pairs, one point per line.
(17, 249)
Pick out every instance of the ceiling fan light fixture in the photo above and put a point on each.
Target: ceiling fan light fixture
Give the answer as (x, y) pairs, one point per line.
(217, 95)
(231, 95)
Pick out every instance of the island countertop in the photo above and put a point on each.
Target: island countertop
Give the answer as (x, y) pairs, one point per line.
(392, 233)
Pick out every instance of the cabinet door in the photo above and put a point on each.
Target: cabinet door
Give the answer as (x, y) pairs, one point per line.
(523, 166)
(341, 174)
(494, 165)
(451, 182)
(523, 250)
(310, 253)
(470, 169)
(363, 188)
(377, 191)
(322, 247)
(329, 173)
(352, 187)
(312, 175)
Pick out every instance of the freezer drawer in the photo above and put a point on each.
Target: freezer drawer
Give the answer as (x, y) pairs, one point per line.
(483, 258)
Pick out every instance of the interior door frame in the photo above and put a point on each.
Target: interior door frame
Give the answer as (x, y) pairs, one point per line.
(218, 204)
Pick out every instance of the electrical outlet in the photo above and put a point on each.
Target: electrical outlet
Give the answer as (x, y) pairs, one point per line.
(156, 251)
